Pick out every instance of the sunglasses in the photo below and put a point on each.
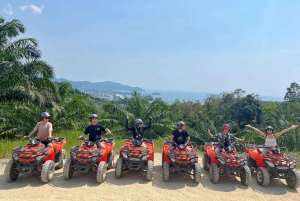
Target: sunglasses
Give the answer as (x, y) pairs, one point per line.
(269, 129)
(46, 118)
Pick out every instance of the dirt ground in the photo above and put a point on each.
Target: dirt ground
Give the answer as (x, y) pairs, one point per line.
(133, 186)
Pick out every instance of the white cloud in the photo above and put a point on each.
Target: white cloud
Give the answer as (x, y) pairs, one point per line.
(23, 8)
(36, 10)
(8, 9)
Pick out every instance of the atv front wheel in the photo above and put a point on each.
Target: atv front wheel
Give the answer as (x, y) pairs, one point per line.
(262, 176)
(205, 162)
(111, 162)
(69, 169)
(47, 171)
(101, 172)
(149, 172)
(166, 171)
(214, 173)
(293, 179)
(118, 170)
(63, 158)
(250, 164)
(11, 171)
(245, 175)
(197, 173)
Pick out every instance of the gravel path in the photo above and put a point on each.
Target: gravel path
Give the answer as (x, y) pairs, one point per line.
(133, 186)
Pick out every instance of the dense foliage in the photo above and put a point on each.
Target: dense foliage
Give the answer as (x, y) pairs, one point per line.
(26, 90)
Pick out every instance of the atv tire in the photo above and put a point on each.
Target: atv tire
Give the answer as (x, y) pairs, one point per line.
(111, 162)
(166, 171)
(205, 162)
(118, 170)
(245, 175)
(262, 176)
(69, 169)
(149, 172)
(101, 172)
(62, 159)
(47, 172)
(214, 173)
(250, 164)
(293, 180)
(11, 171)
(197, 173)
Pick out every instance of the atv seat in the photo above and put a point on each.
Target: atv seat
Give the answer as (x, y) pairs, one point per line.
(151, 141)
(89, 144)
(211, 143)
(34, 142)
(107, 140)
(264, 150)
(251, 146)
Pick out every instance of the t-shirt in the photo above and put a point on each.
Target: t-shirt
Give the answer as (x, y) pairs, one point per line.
(43, 130)
(223, 139)
(180, 137)
(94, 132)
(138, 132)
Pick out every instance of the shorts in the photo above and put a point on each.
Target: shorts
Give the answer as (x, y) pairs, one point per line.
(47, 141)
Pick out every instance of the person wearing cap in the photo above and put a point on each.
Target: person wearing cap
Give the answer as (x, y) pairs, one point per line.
(94, 131)
(225, 138)
(180, 135)
(44, 129)
(270, 136)
(139, 129)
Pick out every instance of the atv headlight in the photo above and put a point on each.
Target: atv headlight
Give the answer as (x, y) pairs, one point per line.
(193, 160)
(124, 154)
(292, 165)
(73, 155)
(95, 158)
(270, 164)
(222, 161)
(173, 159)
(38, 158)
(145, 157)
(15, 156)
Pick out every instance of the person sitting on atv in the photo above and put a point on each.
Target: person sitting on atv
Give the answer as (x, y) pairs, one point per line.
(225, 138)
(270, 136)
(180, 135)
(44, 129)
(94, 131)
(138, 130)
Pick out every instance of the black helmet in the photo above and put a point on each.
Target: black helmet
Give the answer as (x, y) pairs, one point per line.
(45, 114)
(269, 127)
(138, 121)
(180, 123)
(93, 116)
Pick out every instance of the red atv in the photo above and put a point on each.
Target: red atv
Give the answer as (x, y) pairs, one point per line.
(36, 158)
(180, 159)
(89, 158)
(134, 157)
(272, 164)
(225, 161)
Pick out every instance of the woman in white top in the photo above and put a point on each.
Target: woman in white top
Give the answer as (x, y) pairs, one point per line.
(270, 136)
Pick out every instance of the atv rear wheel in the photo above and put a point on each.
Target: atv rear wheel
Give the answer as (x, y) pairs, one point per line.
(62, 159)
(69, 169)
(293, 179)
(245, 175)
(250, 164)
(149, 172)
(47, 171)
(205, 162)
(111, 162)
(118, 170)
(11, 171)
(101, 172)
(214, 173)
(166, 171)
(197, 173)
(262, 176)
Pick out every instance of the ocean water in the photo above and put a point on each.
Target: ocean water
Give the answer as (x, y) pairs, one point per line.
(171, 96)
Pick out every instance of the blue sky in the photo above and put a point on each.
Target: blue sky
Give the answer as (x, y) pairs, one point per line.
(205, 46)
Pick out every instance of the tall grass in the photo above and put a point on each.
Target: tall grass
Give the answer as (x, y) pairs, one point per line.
(72, 140)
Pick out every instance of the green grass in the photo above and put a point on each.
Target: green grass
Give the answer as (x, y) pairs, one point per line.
(72, 140)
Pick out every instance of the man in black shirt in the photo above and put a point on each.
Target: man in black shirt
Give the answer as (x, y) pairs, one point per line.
(138, 130)
(94, 131)
(180, 136)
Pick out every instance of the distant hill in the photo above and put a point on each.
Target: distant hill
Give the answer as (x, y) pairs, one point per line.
(101, 86)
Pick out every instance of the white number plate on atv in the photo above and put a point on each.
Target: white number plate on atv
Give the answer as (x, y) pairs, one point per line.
(134, 159)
